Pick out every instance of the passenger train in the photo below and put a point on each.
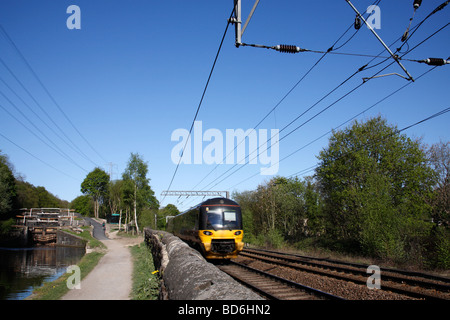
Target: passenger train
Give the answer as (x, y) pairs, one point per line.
(214, 227)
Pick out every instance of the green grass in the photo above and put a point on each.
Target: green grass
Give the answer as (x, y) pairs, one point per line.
(145, 280)
(92, 243)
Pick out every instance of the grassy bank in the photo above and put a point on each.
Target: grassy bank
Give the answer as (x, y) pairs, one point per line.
(56, 289)
(145, 279)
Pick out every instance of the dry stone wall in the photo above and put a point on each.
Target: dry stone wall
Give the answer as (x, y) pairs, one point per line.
(186, 275)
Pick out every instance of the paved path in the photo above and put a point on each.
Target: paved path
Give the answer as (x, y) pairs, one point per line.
(111, 278)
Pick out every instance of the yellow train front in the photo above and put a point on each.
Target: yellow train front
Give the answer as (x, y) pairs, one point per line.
(213, 226)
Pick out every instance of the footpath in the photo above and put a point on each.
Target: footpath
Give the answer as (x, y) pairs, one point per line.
(111, 278)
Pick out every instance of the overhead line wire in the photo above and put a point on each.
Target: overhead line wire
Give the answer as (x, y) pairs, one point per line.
(345, 153)
(330, 50)
(54, 147)
(323, 110)
(50, 95)
(40, 107)
(337, 127)
(39, 117)
(201, 101)
(26, 151)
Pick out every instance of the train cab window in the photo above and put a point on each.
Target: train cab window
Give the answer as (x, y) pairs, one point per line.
(230, 219)
(214, 219)
(221, 219)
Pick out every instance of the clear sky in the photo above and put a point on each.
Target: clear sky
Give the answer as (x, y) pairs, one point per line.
(135, 72)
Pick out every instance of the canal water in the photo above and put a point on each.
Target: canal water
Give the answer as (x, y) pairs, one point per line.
(23, 269)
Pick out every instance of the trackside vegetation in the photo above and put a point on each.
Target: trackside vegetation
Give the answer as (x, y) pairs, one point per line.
(375, 193)
(145, 277)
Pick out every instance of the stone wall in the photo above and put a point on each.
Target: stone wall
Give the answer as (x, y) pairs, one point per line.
(186, 275)
(69, 240)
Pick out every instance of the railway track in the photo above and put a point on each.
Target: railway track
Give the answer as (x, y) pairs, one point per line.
(273, 287)
(410, 284)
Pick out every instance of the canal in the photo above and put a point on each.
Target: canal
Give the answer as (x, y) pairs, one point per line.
(23, 269)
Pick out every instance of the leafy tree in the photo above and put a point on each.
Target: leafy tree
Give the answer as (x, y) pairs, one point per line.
(136, 176)
(376, 184)
(439, 155)
(281, 209)
(96, 185)
(83, 204)
(439, 247)
(167, 211)
(7, 186)
(115, 195)
(27, 196)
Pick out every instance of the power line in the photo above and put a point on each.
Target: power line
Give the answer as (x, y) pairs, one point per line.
(37, 158)
(200, 103)
(330, 50)
(39, 117)
(323, 110)
(41, 108)
(54, 147)
(324, 53)
(337, 127)
(435, 115)
(48, 93)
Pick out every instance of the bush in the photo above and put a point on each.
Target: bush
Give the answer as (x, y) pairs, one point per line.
(438, 253)
(6, 226)
(273, 239)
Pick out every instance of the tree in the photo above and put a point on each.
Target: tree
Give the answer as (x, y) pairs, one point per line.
(116, 203)
(439, 248)
(142, 195)
(7, 186)
(83, 204)
(96, 185)
(439, 155)
(168, 211)
(376, 184)
(280, 209)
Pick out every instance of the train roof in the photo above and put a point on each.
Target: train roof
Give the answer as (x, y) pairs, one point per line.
(210, 202)
(216, 201)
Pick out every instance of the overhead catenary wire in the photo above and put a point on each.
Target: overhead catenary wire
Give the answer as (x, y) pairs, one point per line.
(346, 153)
(342, 97)
(320, 112)
(200, 103)
(289, 92)
(331, 51)
(406, 36)
(337, 127)
(379, 56)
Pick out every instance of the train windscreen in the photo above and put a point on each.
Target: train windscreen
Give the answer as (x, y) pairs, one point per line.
(223, 218)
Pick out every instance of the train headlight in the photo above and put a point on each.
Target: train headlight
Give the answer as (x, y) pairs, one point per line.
(237, 233)
(207, 233)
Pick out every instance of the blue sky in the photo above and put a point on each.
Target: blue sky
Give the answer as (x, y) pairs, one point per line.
(135, 72)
